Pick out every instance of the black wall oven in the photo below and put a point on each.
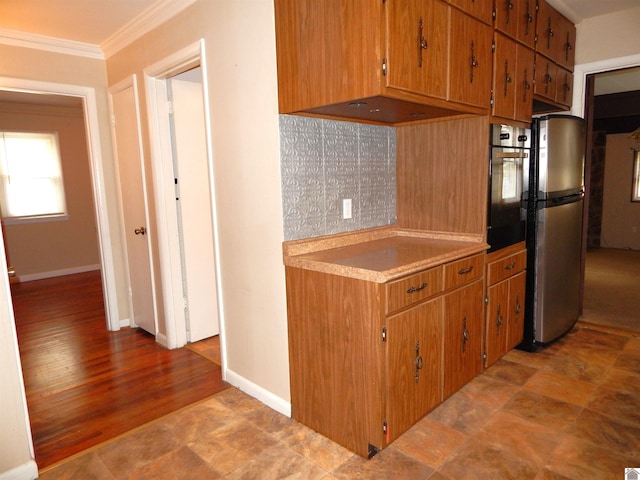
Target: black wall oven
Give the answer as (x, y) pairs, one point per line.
(510, 149)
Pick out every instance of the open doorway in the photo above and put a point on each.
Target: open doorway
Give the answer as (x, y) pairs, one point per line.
(612, 256)
(182, 168)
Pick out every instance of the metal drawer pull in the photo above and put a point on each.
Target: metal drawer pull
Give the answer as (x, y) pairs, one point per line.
(422, 286)
(464, 271)
(511, 266)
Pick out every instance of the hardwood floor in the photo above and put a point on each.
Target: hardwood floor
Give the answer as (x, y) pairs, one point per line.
(84, 384)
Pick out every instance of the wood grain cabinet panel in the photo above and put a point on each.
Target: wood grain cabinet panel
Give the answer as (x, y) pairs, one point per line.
(480, 9)
(524, 84)
(516, 19)
(470, 62)
(395, 61)
(414, 365)
(506, 280)
(463, 328)
(361, 376)
(418, 37)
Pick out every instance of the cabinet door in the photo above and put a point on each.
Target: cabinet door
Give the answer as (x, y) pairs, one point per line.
(504, 77)
(463, 322)
(498, 309)
(414, 353)
(515, 327)
(545, 74)
(547, 24)
(470, 65)
(564, 87)
(480, 9)
(417, 34)
(524, 84)
(525, 18)
(566, 45)
(506, 19)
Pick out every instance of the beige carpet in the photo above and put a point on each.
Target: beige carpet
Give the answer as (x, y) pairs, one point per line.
(612, 288)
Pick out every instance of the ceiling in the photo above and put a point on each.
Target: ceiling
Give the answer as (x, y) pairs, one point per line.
(95, 21)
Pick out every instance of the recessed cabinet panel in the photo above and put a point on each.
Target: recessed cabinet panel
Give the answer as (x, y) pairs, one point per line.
(546, 78)
(566, 45)
(470, 62)
(564, 88)
(504, 77)
(417, 33)
(414, 288)
(497, 321)
(414, 372)
(524, 84)
(480, 9)
(515, 329)
(463, 322)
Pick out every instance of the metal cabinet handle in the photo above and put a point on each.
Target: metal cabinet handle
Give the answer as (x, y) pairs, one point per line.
(474, 61)
(507, 77)
(419, 362)
(422, 286)
(465, 334)
(509, 8)
(464, 271)
(140, 231)
(499, 319)
(518, 307)
(422, 42)
(511, 266)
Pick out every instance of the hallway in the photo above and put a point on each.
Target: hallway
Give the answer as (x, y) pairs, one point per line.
(86, 385)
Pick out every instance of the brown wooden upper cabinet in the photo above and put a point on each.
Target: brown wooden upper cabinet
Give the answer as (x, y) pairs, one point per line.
(387, 61)
(556, 36)
(516, 19)
(470, 60)
(480, 9)
(513, 75)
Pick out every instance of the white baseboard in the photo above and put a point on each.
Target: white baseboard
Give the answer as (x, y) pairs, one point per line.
(58, 273)
(26, 471)
(256, 391)
(162, 339)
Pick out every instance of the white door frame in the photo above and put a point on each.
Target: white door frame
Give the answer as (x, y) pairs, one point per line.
(132, 82)
(156, 77)
(94, 150)
(582, 70)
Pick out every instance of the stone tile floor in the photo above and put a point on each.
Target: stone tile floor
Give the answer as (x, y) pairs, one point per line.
(571, 411)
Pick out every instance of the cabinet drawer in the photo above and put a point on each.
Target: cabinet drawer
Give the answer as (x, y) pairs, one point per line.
(414, 288)
(506, 267)
(463, 271)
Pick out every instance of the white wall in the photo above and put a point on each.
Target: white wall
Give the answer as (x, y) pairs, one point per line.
(239, 39)
(604, 43)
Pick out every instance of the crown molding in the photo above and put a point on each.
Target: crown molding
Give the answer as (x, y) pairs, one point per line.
(151, 18)
(17, 38)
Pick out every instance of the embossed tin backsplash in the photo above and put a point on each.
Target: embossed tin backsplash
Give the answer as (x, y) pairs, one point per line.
(322, 163)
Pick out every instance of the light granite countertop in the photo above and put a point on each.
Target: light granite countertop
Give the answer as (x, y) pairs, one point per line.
(380, 254)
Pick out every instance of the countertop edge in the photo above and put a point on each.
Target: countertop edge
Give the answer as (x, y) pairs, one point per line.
(294, 252)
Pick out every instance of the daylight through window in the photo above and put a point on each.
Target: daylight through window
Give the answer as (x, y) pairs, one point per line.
(31, 184)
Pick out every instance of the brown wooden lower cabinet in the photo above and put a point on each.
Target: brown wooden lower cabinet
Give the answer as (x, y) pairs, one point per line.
(506, 280)
(368, 360)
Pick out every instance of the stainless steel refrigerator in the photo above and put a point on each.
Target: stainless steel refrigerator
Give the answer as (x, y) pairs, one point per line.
(554, 205)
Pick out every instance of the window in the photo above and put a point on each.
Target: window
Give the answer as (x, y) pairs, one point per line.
(635, 193)
(31, 186)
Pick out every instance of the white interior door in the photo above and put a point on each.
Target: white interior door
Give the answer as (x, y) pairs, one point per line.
(193, 197)
(132, 194)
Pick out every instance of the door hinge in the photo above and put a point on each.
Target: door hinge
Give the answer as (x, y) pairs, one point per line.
(484, 356)
(113, 120)
(170, 107)
(384, 334)
(384, 67)
(385, 427)
(486, 298)
(493, 46)
(491, 102)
